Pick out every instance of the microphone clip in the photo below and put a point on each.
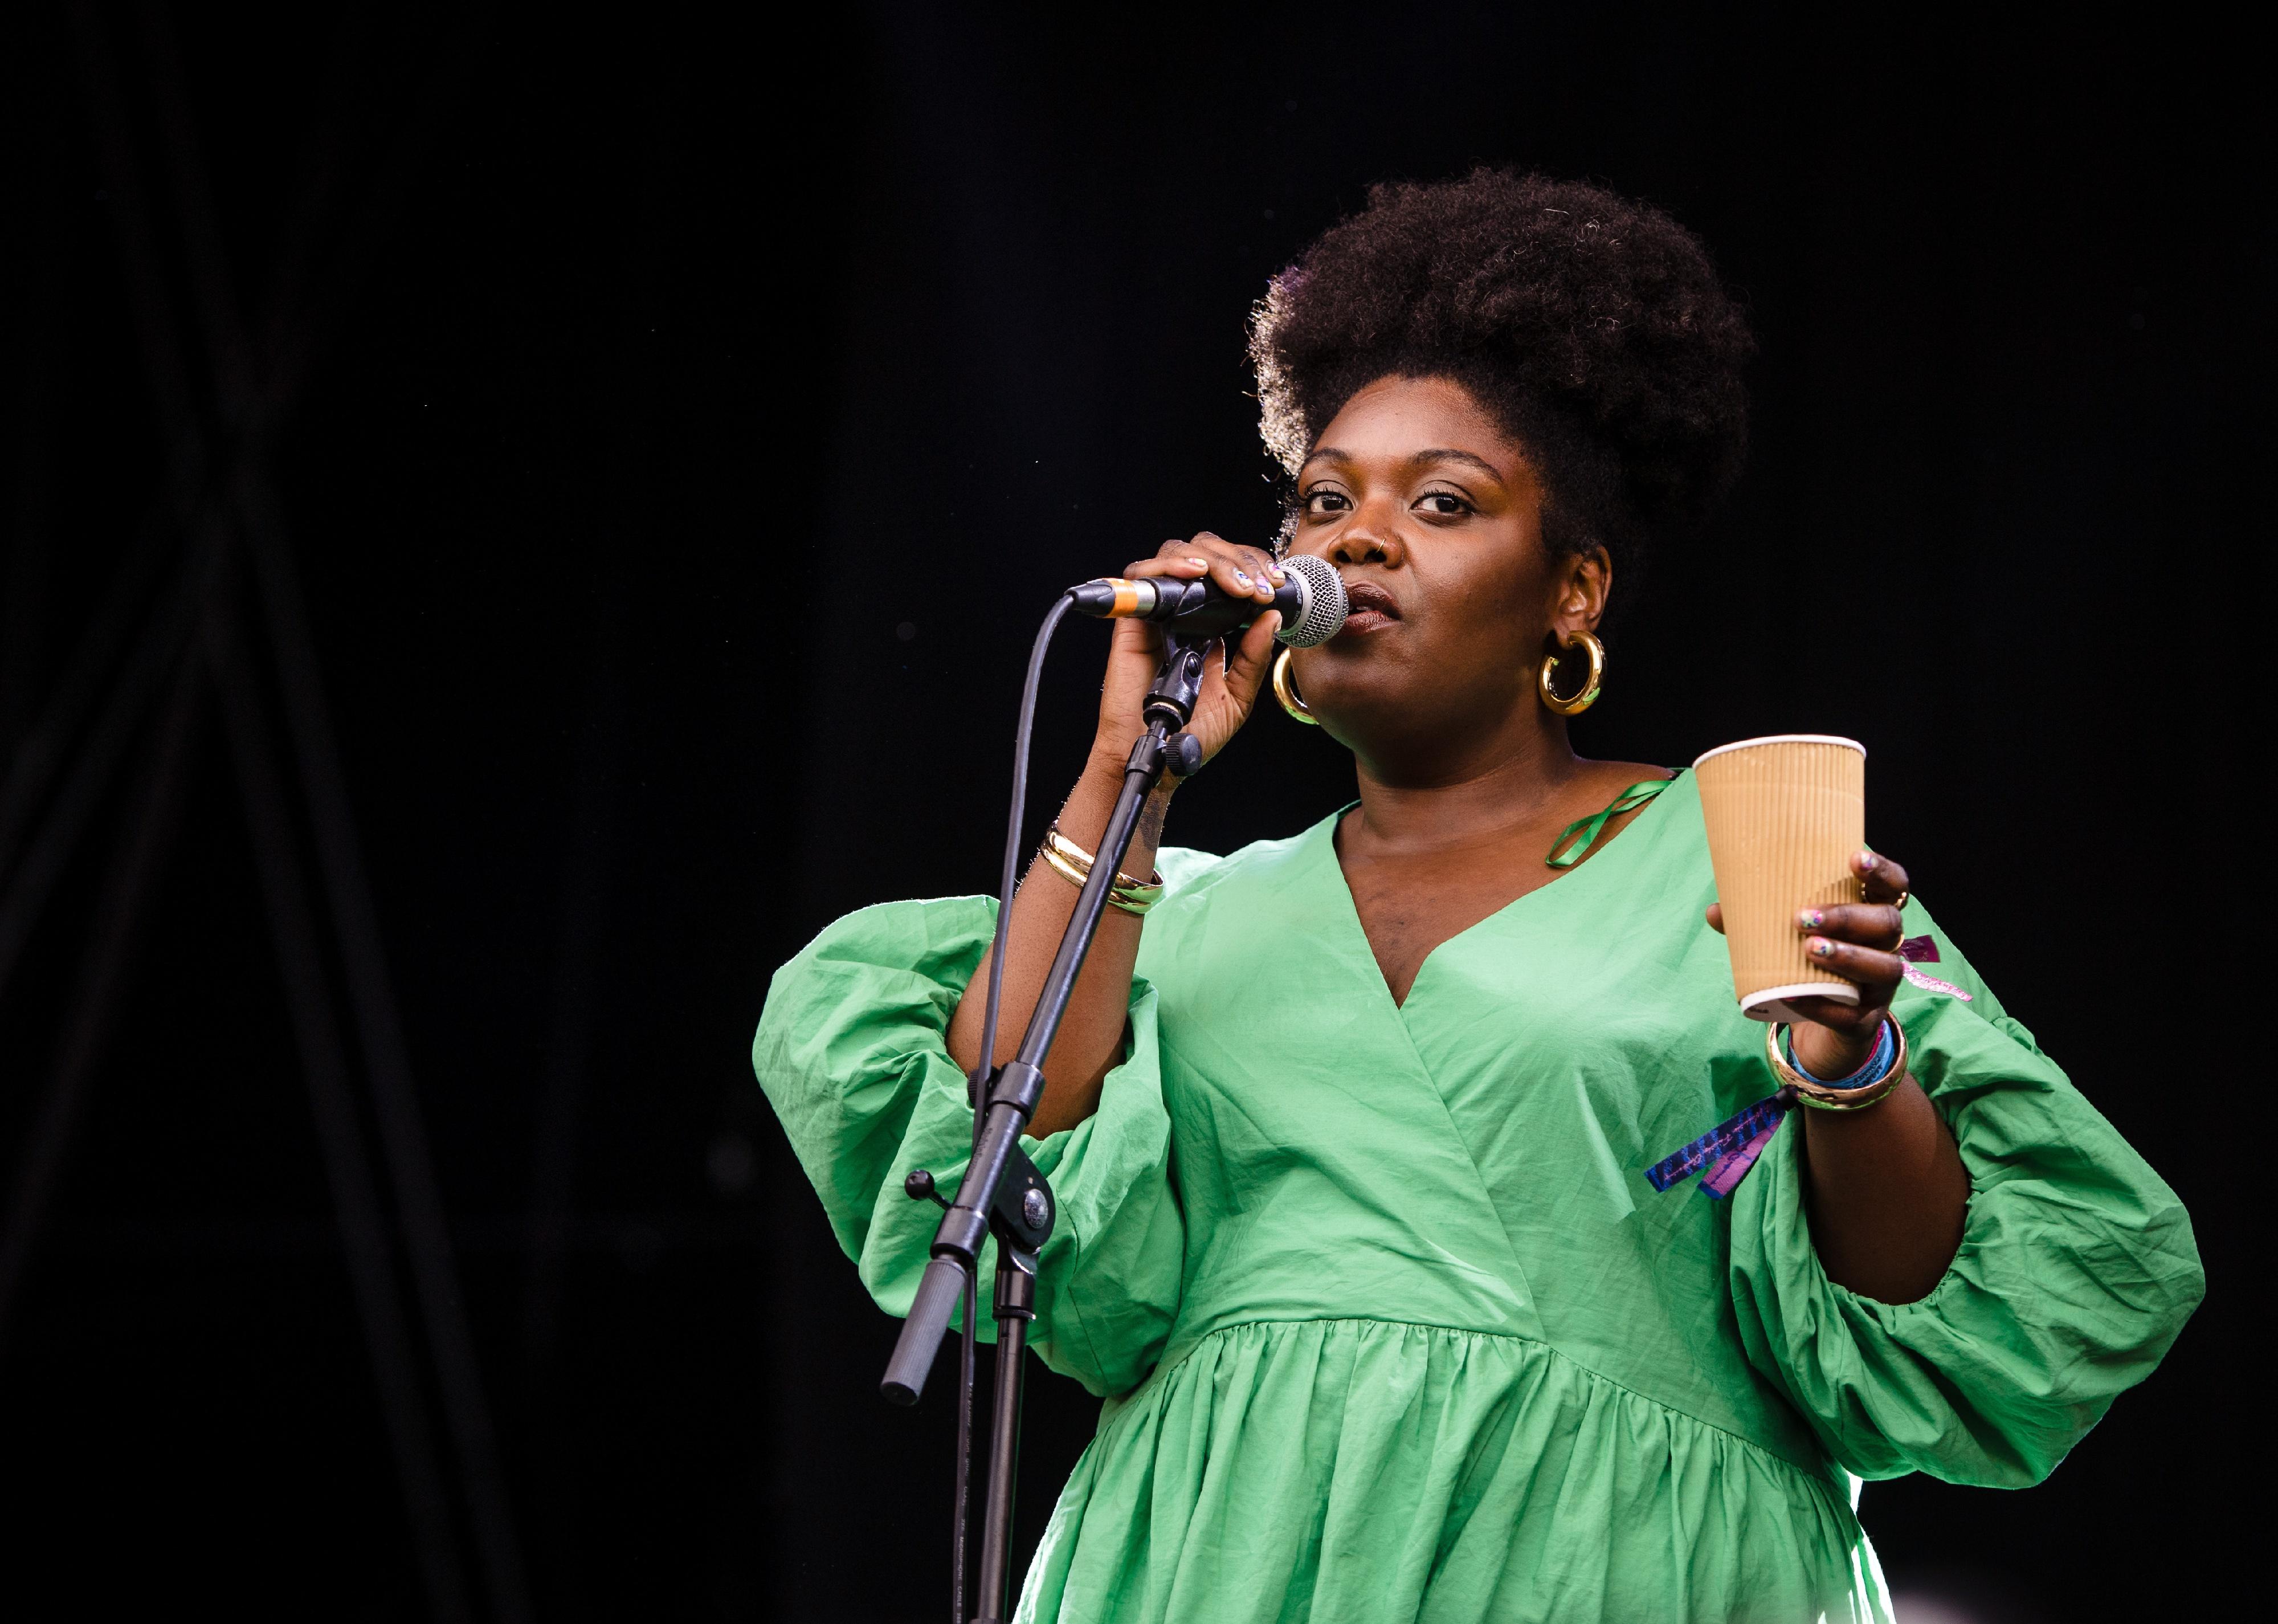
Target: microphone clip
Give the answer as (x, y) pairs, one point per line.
(1178, 681)
(1171, 703)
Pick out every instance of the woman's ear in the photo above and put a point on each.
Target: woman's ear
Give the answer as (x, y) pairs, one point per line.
(1584, 582)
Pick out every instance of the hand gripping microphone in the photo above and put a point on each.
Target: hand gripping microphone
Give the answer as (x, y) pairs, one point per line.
(1312, 604)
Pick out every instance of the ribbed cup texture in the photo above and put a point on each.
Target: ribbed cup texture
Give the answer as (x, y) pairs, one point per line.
(1784, 817)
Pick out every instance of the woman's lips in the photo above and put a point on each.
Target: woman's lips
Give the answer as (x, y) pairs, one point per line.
(1368, 608)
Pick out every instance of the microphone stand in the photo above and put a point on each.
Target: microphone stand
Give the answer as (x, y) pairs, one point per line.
(1002, 1193)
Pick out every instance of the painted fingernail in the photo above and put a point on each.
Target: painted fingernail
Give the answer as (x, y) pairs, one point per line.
(1812, 918)
(1867, 862)
(1242, 579)
(1280, 579)
(1822, 948)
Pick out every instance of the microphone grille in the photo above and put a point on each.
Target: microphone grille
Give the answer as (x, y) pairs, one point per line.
(1324, 614)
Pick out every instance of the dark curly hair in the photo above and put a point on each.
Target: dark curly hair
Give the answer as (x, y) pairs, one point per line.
(1593, 327)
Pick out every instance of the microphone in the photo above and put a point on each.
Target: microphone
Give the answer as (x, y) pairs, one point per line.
(1312, 604)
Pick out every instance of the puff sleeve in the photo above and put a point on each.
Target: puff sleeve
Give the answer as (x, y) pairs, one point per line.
(851, 1052)
(2076, 1269)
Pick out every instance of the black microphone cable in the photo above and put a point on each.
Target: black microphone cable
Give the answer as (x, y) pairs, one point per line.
(1008, 882)
(1009, 877)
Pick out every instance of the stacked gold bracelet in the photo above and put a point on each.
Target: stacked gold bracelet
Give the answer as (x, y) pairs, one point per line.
(1817, 1094)
(1073, 864)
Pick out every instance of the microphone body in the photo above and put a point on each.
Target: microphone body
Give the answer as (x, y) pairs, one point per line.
(1311, 601)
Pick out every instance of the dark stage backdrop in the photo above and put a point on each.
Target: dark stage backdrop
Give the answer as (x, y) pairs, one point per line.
(639, 400)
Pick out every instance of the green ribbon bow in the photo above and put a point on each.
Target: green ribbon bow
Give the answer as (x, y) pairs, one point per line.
(1589, 828)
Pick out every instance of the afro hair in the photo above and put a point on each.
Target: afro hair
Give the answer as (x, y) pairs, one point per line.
(1594, 329)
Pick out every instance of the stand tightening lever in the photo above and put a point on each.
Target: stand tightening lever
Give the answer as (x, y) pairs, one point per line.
(1020, 1215)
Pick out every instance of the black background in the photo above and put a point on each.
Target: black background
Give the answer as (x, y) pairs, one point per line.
(687, 447)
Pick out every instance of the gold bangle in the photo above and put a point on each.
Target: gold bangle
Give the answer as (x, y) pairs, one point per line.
(1057, 842)
(1118, 896)
(1817, 1094)
(1073, 864)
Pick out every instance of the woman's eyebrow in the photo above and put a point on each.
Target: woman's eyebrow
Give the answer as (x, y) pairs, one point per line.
(1422, 459)
(1445, 454)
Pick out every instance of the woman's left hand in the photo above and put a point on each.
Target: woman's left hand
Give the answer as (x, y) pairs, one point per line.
(1859, 941)
(1886, 1189)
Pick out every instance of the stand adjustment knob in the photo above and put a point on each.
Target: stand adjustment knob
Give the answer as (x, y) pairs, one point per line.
(1182, 754)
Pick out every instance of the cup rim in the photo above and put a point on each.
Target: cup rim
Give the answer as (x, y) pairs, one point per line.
(1773, 739)
(1770, 1003)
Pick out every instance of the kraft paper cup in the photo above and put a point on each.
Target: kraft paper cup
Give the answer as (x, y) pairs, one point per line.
(1785, 815)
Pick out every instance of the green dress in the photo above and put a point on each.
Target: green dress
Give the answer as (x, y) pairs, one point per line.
(1390, 1323)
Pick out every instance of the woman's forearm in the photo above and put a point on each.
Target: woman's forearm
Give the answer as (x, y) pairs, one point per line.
(1090, 1038)
(1887, 1193)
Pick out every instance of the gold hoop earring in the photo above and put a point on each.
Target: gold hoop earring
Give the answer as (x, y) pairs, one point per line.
(1286, 691)
(1588, 696)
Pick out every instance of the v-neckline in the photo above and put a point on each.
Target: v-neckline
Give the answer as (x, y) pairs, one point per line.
(1324, 833)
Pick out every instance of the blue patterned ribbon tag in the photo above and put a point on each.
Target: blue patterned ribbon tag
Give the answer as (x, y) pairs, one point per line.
(1728, 1150)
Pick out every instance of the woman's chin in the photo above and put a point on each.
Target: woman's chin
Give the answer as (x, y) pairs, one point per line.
(1354, 713)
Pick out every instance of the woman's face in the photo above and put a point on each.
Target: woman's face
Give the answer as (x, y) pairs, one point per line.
(1433, 516)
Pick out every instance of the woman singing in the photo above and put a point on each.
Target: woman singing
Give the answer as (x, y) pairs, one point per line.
(1351, 1129)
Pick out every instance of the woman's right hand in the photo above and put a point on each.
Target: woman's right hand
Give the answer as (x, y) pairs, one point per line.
(1090, 1041)
(1230, 686)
